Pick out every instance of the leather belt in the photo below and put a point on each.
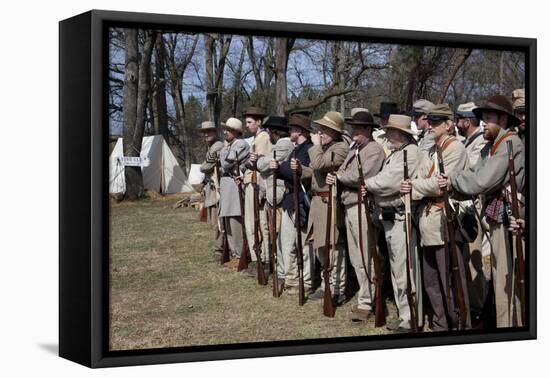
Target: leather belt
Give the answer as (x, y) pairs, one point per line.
(321, 194)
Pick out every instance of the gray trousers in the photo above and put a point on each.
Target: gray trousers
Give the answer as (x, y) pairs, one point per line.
(365, 299)
(250, 221)
(286, 253)
(234, 235)
(394, 232)
(436, 269)
(216, 233)
(338, 272)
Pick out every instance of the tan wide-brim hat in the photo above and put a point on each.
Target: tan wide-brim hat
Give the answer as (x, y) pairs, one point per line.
(400, 122)
(233, 124)
(332, 120)
(207, 125)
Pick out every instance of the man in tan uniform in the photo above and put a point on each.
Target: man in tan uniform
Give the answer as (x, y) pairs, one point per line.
(300, 129)
(267, 166)
(490, 178)
(211, 196)
(261, 146)
(326, 143)
(386, 187)
(372, 157)
(432, 218)
(232, 155)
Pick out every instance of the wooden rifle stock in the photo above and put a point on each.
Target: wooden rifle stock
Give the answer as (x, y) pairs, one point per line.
(245, 252)
(297, 223)
(328, 307)
(276, 292)
(260, 272)
(411, 291)
(520, 276)
(203, 213)
(379, 308)
(452, 252)
(221, 222)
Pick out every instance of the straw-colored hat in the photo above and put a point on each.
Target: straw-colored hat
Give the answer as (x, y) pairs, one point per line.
(233, 124)
(332, 120)
(518, 96)
(400, 122)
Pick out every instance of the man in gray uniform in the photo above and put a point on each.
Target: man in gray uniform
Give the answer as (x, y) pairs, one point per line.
(372, 157)
(420, 111)
(234, 153)
(209, 132)
(490, 178)
(386, 187)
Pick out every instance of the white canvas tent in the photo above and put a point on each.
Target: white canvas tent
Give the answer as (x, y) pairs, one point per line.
(163, 174)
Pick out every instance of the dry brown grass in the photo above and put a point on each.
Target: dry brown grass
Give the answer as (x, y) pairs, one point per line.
(165, 292)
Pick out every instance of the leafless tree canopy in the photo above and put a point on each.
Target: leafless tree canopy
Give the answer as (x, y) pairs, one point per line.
(167, 83)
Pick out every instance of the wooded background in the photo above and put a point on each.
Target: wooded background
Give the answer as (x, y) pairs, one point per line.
(168, 83)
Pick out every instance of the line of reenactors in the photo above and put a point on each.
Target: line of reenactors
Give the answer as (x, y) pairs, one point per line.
(407, 197)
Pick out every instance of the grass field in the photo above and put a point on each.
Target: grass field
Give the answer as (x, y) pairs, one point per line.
(166, 292)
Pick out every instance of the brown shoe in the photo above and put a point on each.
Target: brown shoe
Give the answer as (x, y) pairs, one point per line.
(359, 314)
(233, 263)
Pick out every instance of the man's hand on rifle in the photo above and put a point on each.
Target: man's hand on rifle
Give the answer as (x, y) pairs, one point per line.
(295, 165)
(238, 180)
(274, 165)
(406, 187)
(363, 191)
(253, 157)
(331, 179)
(443, 182)
(517, 226)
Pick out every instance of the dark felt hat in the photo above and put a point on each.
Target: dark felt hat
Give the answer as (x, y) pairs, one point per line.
(501, 105)
(255, 111)
(361, 119)
(387, 108)
(275, 122)
(300, 120)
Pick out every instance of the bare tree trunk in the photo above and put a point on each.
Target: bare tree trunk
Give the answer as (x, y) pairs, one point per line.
(459, 62)
(214, 73)
(176, 69)
(237, 83)
(282, 47)
(160, 110)
(131, 146)
(144, 84)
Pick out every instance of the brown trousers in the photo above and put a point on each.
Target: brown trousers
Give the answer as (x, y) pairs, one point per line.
(436, 272)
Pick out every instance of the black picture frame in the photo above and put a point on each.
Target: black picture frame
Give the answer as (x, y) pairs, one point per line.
(84, 203)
